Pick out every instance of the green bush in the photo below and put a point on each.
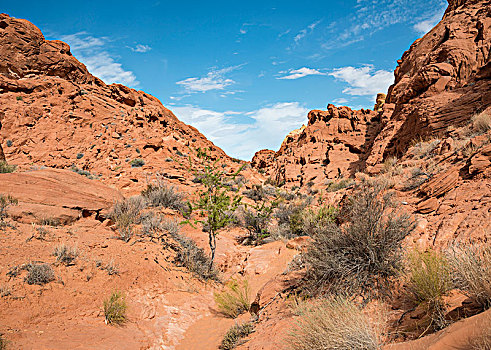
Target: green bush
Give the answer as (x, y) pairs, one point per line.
(234, 299)
(429, 281)
(363, 254)
(115, 309)
(6, 168)
(137, 163)
(334, 324)
(235, 334)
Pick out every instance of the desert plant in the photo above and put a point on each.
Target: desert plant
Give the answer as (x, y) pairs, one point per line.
(125, 214)
(115, 308)
(429, 281)
(171, 226)
(4, 344)
(315, 218)
(471, 270)
(193, 258)
(112, 268)
(234, 299)
(39, 274)
(235, 334)
(364, 253)
(82, 172)
(161, 195)
(65, 254)
(481, 122)
(334, 324)
(6, 168)
(214, 202)
(5, 202)
(5, 290)
(138, 162)
(256, 220)
(290, 217)
(340, 184)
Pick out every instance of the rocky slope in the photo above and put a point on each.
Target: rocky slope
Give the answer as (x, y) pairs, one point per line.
(440, 83)
(54, 113)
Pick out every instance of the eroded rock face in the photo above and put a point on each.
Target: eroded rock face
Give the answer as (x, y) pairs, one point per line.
(329, 147)
(56, 114)
(441, 81)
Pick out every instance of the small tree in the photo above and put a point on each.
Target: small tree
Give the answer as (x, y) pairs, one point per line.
(215, 202)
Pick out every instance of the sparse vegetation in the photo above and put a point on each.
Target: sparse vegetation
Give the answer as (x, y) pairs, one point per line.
(9, 143)
(471, 270)
(65, 254)
(80, 155)
(3, 343)
(82, 172)
(5, 291)
(290, 218)
(481, 122)
(115, 309)
(193, 258)
(215, 201)
(423, 149)
(137, 162)
(340, 184)
(234, 299)
(363, 254)
(39, 274)
(5, 202)
(127, 213)
(112, 268)
(235, 334)
(335, 323)
(256, 220)
(6, 168)
(429, 282)
(161, 195)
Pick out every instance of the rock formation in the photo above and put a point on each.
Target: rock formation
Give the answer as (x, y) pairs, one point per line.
(54, 113)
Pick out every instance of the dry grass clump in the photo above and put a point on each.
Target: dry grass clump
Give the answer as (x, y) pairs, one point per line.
(483, 340)
(39, 274)
(193, 258)
(65, 254)
(5, 202)
(115, 309)
(235, 334)
(6, 168)
(125, 214)
(290, 217)
(362, 255)
(429, 281)
(334, 324)
(161, 195)
(471, 270)
(234, 299)
(481, 122)
(3, 343)
(423, 149)
(340, 184)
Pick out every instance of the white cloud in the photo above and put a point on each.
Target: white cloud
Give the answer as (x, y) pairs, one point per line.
(300, 73)
(340, 101)
(363, 81)
(141, 48)
(214, 80)
(91, 51)
(241, 134)
(426, 25)
(304, 32)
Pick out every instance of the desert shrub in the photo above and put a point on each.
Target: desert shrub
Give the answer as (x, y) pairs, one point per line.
(290, 217)
(259, 193)
(6, 168)
(171, 226)
(39, 274)
(65, 254)
(161, 195)
(138, 162)
(111, 268)
(49, 222)
(151, 224)
(423, 149)
(5, 290)
(80, 155)
(256, 220)
(429, 281)
(193, 258)
(125, 214)
(234, 299)
(416, 179)
(5, 202)
(481, 122)
(334, 324)
(314, 218)
(364, 253)
(235, 334)
(481, 340)
(4, 344)
(339, 184)
(82, 172)
(115, 309)
(9, 143)
(471, 270)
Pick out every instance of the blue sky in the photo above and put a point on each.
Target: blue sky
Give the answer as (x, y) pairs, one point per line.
(244, 73)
